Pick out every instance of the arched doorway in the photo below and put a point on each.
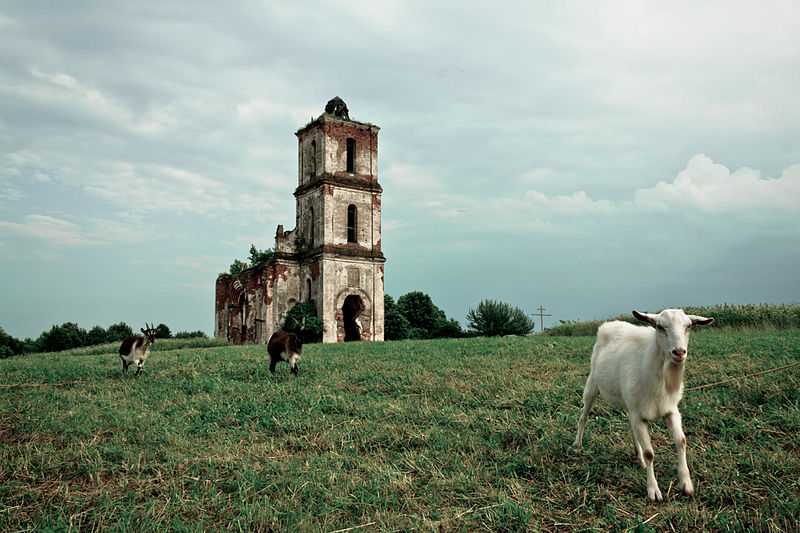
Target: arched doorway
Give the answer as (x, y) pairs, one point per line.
(352, 308)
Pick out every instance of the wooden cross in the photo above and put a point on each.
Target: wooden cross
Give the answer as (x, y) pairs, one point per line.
(541, 314)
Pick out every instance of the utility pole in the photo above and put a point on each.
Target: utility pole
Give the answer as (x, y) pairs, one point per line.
(541, 314)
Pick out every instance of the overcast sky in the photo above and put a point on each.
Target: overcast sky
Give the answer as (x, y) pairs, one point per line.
(589, 158)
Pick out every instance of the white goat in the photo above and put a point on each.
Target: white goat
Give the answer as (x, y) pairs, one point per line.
(640, 369)
(136, 348)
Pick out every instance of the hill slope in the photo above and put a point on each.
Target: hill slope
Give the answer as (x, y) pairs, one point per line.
(452, 434)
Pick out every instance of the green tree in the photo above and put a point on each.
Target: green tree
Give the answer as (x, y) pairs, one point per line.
(493, 318)
(64, 337)
(448, 328)
(302, 319)
(163, 332)
(260, 257)
(237, 267)
(96, 335)
(395, 325)
(420, 312)
(117, 332)
(426, 321)
(9, 345)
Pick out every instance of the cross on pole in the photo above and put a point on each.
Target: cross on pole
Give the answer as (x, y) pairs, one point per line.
(541, 314)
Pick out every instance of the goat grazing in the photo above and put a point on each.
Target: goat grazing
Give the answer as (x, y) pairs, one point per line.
(640, 369)
(136, 348)
(284, 346)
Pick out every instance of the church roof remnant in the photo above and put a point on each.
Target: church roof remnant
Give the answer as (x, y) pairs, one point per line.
(337, 108)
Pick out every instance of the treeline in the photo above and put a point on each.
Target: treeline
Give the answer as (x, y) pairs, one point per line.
(415, 316)
(778, 316)
(70, 335)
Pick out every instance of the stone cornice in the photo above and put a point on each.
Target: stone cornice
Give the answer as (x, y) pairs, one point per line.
(327, 117)
(359, 182)
(334, 250)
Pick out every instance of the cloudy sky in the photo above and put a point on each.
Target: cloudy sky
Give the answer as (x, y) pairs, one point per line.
(589, 158)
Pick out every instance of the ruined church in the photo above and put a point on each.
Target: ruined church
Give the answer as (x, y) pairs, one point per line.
(332, 258)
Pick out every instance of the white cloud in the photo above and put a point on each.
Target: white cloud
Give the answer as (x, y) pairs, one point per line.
(576, 203)
(406, 177)
(93, 232)
(260, 109)
(10, 194)
(54, 230)
(536, 175)
(710, 186)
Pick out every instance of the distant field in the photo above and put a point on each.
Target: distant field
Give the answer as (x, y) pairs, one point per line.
(726, 316)
(161, 345)
(468, 434)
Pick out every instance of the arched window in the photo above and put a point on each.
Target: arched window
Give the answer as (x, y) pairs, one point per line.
(352, 221)
(351, 155)
(311, 230)
(308, 290)
(313, 165)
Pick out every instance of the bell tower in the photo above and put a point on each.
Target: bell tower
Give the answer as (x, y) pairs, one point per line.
(338, 224)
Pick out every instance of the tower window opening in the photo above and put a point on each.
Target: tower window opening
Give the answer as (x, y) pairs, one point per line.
(313, 166)
(351, 155)
(352, 220)
(311, 230)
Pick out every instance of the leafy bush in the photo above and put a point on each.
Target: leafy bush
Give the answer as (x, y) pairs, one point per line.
(395, 325)
(302, 319)
(493, 318)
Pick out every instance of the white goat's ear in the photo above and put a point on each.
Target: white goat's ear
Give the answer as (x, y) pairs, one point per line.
(645, 317)
(700, 320)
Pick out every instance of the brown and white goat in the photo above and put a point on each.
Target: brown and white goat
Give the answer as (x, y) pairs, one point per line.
(284, 346)
(136, 348)
(640, 369)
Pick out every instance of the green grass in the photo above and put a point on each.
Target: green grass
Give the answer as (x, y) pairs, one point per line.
(461, 435)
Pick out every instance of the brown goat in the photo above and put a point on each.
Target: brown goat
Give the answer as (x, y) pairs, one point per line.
(284, 346)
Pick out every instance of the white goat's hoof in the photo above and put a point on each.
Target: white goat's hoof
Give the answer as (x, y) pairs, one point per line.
(687, 487)
(654, 493)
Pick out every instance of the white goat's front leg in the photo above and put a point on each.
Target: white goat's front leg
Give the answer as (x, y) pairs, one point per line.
(642, 436)
(675, 424)
(589, 396)
(139, 366)
(637, 449)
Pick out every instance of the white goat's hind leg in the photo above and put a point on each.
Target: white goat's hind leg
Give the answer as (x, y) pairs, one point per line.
(639, 428)
(589, 396)
(674, 422)
(637, 450)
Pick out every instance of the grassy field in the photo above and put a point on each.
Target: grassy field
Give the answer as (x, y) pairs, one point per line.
(468, 435)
